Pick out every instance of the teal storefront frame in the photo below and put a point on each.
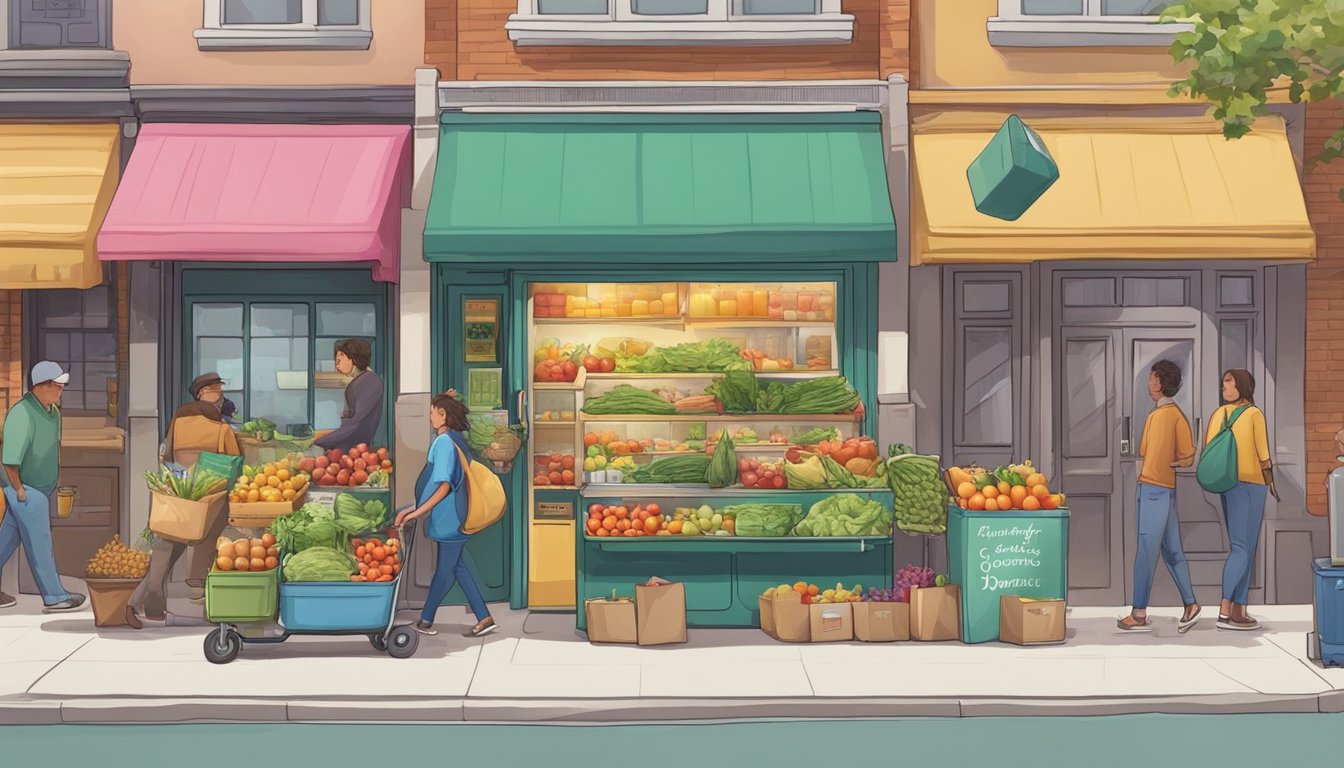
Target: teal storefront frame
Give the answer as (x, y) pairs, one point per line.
(856, 329)
(285, 284)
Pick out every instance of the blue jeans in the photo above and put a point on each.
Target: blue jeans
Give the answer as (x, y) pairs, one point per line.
(448, 568)
(29, 522)
(1244, 511)
(1159, 529)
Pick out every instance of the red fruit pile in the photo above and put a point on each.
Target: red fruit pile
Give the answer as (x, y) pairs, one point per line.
(554, 469)
(348, 469)
(765, 475)
(556, 371)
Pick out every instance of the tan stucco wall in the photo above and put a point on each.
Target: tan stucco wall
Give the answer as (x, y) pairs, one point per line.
(158, 36)
(954, 52)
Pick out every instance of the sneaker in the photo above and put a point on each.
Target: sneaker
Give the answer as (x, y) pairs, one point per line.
(70, 604)
(482, 629)
(7, 600)
(425, 628)
(1229, 623)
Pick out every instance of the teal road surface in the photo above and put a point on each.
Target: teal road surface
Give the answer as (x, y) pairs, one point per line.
(1093, 742)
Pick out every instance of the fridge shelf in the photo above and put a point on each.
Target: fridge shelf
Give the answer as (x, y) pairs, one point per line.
(800, 418)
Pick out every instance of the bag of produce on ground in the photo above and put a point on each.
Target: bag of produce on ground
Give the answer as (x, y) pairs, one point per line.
(920, 495)
(846, 514)
(319, 564)
(764, 520)
(674, 469)
(722, 470)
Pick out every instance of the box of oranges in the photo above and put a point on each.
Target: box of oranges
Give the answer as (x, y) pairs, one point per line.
(266, 492)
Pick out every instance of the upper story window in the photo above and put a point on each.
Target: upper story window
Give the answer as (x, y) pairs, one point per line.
(48, 24)
(679, 22)
(1069, 23)
(281, 24)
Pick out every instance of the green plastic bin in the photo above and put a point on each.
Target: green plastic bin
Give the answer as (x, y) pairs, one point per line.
(993, 554)
(241, 597)
(1011, 172)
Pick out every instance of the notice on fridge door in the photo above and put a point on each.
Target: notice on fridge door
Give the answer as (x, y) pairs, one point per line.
(481, 320)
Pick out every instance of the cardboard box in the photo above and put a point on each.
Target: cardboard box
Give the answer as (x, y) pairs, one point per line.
(785, 618)
(660, 612)
(881, 622)
(831, 622)
(935, 613)
(610, 621)
(260, 514)
(1030, 621)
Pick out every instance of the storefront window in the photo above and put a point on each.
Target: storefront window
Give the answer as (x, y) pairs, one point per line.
(987, 418)
(278, 358)
(78, 329)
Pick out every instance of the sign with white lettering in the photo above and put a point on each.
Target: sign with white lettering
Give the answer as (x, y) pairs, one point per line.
(992, 554)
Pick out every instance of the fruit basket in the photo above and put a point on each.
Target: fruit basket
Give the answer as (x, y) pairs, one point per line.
(502, 451)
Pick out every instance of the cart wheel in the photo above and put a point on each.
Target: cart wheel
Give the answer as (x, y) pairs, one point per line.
(222, 646)
(379, 642)
(402, 642)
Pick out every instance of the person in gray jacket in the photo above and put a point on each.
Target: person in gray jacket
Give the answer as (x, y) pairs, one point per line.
(363, 399)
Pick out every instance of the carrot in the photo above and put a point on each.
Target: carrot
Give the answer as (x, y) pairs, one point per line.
(357, 578)
(384, 578)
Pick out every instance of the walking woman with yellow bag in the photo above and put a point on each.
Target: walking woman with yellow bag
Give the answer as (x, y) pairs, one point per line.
(1236, 464)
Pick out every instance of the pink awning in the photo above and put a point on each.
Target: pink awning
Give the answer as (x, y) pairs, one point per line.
(273, 193)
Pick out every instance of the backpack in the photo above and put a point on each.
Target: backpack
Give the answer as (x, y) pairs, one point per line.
(486, 501)
(1217, 470)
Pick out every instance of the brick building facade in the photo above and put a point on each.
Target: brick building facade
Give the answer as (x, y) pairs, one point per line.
(1325, 304)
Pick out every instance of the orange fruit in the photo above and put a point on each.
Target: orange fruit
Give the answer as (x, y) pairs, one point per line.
(609, 523)
(1004, 487)
(1050, 502)
(1018, 494)
(976, 502)
(997, 504)
(800, 587)
(674, 527)
(1040, 491)
(1031, 504)
(991, 492)
(966, 490)
(813, 590)
(1036, 478)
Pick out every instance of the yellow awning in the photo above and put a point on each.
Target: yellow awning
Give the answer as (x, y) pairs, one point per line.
(1128, 188)
(56, 183)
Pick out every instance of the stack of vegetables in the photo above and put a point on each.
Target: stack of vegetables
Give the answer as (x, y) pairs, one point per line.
(737, 392)
(197, 484)
(317, 541)
(827, 394)
(692, 357)
(693, 468)
(846, 514)
(919, 495)
(835, 463)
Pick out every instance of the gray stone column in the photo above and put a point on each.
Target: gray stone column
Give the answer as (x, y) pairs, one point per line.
(895, 413)
(142, 391)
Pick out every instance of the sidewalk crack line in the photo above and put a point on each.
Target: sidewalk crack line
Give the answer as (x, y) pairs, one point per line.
(43, 676)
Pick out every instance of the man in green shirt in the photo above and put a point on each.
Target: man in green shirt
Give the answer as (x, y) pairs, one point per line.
(31, 458)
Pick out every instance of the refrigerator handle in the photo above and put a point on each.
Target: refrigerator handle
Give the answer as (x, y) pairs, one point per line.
(1199, 420)
(522, 408)
(1124, 437)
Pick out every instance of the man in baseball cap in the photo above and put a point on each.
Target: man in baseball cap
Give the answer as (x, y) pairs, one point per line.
(31, 459)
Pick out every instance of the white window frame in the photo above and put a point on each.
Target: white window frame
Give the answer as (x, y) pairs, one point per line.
(305, 35)
(1013, 28)
(724, 24)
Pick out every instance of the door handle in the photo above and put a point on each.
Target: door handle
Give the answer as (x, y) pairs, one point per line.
(1124, 437)
(522, 408)
(1199, 421)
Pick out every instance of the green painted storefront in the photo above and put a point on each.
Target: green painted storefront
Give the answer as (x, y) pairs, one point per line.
(628, 198)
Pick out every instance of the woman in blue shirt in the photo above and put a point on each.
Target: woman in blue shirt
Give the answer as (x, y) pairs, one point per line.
(441, 493)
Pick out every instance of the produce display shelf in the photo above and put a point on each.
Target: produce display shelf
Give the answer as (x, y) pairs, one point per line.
(559, 386)
(700, 490)
(670, 322)
(685, 322)
(749, 322)
(553, 423)
(854, 544)
(557, 487)
(826, 418)
(797, 373)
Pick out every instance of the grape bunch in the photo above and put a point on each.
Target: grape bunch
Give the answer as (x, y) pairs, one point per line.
(893, 595)
(914, 576)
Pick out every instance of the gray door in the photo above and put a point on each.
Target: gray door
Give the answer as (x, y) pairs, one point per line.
(1201, 525)
(59, 24)
(1088, 372)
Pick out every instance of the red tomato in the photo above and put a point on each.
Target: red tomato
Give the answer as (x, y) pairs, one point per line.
(595, 509)
(541, 480)
(654, 509)
(779, 481)
(566, 462)
(556, 478)
(749, 479)
(607, 365)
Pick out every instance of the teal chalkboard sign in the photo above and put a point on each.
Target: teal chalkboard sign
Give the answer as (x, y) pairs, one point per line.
(992, 554)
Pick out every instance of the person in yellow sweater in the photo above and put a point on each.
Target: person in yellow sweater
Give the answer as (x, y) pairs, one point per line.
(1244, 505)
(1167, 444)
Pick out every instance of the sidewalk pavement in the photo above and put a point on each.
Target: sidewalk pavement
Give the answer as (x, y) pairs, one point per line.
(61, 669)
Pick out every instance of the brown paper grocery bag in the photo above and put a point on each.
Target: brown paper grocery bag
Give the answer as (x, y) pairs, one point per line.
(184, 521)
(1028, 621)
(881, 622)
(610, 621)
(935, 613)
(785, 618)
(660, 612)
(831, 622)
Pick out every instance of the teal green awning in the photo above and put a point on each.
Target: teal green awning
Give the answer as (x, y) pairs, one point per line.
(626, 188)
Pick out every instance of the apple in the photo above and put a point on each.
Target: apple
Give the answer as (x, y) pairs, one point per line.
(321, 463)
(361, 449)
(343, 477)
(750, 479)
(334, 455)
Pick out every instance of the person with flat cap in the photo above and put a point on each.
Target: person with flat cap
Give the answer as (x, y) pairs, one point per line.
(197, 427)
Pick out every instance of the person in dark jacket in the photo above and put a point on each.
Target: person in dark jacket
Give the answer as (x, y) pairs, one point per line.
(363, 399)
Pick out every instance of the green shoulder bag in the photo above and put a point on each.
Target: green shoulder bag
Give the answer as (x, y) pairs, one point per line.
(227, 467)
(1217, 469)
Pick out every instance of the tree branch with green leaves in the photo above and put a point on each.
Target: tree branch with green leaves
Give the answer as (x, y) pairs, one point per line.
(1241, 50)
